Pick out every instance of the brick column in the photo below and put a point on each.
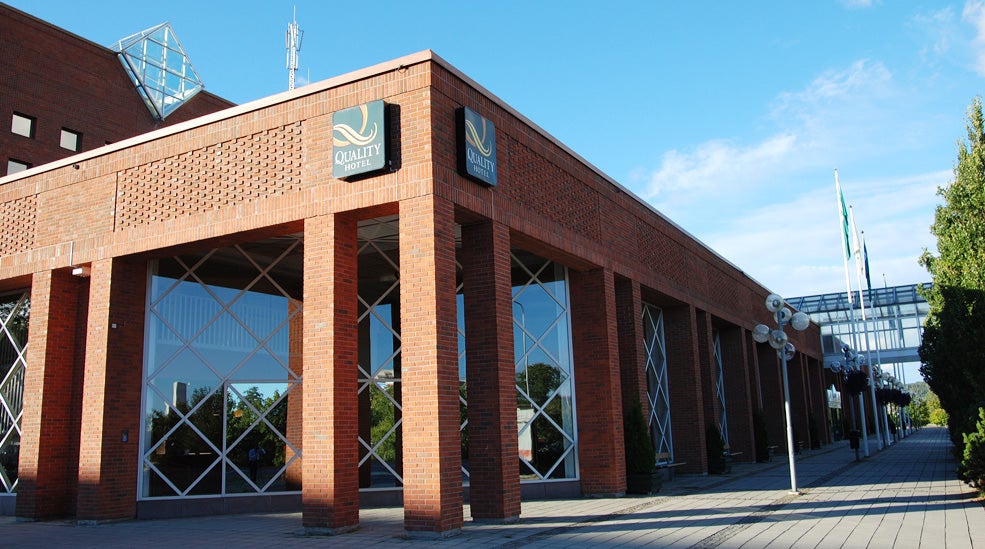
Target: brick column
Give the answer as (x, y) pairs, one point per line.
(49, 430)
(595, 346)
(109, 455)
(493, 466)
(295, 400)
(799, 405)
(708, 369)
(428, 316)
(772, 390)
(684, 385)
(632, 352)
(330, 491)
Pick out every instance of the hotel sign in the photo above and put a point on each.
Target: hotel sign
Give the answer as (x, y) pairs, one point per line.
(359, 140)
(476, 147)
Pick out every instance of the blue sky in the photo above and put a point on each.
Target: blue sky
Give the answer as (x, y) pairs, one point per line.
(728, 117)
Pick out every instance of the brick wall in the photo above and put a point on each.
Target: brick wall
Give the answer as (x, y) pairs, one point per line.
(64, 81)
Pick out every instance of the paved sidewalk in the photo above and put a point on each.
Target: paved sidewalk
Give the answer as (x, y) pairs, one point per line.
(904, 496)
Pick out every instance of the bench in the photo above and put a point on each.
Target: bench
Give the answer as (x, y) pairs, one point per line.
(663, 462)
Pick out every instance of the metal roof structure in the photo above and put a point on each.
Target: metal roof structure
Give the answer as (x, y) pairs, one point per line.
(159, 68)
(892, 329)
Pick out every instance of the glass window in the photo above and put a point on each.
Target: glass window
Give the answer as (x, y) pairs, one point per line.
(658, 391)
(222, 375)
(14, 166)
(15, 312)
(71, 140)
(544, 373)
(22, 125)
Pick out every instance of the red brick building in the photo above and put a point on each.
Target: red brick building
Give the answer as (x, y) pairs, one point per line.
(388, 286)
(61, 94)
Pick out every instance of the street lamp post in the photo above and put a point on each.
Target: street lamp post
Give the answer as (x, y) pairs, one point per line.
(778, 340)
(853, 363)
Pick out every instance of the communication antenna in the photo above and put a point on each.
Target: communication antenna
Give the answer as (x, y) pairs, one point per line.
(293, 42)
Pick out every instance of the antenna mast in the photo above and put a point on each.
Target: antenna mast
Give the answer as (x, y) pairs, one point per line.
(293, 42)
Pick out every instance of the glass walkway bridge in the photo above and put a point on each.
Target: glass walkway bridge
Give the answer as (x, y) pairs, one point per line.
(895, 319)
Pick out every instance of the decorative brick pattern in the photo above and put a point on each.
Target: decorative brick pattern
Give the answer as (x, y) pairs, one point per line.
(225, 174)
(551, 192)
(17, 224)
(662, 254)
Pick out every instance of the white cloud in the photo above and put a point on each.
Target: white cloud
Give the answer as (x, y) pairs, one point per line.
(715, 163)
(794, 246)
(859, 4)
(832, 120)
(974, 14)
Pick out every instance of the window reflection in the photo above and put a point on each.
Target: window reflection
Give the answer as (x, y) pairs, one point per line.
(544, 383)
(15, 313)
(221, 382)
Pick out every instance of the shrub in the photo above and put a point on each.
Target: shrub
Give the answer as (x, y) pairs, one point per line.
(640, 455)
(762, 436)
(972, 468)
(716, 450)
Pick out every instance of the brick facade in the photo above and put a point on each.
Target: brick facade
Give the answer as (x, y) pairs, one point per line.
(64, 81)
(264, 169)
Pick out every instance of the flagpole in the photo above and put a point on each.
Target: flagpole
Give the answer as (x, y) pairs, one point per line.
(865, 328)
(843, 215)
(884, 413)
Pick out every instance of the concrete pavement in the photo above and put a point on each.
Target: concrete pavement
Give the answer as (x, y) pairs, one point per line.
(903, 496)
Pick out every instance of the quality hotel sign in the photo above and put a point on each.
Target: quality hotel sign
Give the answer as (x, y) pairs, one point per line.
(476, 147)
(359, 140)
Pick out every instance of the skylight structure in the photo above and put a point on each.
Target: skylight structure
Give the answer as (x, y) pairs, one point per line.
(159, 68)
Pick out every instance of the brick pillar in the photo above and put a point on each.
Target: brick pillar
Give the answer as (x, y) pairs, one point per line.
(49, 439)
(595, 346)
(684, 385)
(493, 466)
(109, 455)
(799, 405)
(295, 400)
(737, 396)
(330, 492)
(632, 352)
(428, 316)
(752, 358)
(772, 390)
(708, 369)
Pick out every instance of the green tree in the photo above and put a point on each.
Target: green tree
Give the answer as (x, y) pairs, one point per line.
(951, 351)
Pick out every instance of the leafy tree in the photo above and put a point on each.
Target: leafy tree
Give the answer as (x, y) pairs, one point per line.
(383, 417)
(951, 351)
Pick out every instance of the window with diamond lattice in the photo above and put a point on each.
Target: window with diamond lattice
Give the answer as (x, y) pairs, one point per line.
(379, 378)
(544, 374)
(221, 382)
(15, 312)
(720, 384)
(656, 380)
